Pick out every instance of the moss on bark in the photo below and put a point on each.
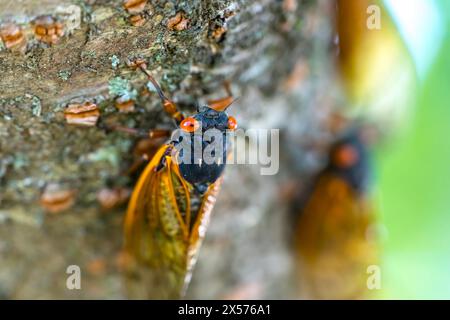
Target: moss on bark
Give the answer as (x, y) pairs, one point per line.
(263, 47)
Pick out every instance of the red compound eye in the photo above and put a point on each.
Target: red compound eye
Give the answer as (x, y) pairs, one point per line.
(346, 156)
(189, 125)
(232, 123)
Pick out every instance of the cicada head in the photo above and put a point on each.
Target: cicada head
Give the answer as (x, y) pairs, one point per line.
(206, 129)
(207, 119)
(350, 161)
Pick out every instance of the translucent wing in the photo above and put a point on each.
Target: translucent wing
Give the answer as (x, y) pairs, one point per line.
(161, 236)
(198, 230)
(334, 244)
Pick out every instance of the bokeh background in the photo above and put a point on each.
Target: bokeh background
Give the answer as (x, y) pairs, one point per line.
(413, 166)
(297, 65)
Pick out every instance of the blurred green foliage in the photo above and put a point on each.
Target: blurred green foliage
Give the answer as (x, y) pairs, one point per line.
(414, 191)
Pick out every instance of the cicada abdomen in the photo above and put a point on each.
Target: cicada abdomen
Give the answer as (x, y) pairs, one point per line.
(334, 235)
(164, 229)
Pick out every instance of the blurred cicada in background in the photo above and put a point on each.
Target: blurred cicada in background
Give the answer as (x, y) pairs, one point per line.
(335, 242)
(171, 203)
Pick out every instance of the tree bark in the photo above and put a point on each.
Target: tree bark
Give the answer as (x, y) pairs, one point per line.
(277, 54)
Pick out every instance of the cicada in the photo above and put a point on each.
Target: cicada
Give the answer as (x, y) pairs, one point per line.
(170, 206)
(335, 237)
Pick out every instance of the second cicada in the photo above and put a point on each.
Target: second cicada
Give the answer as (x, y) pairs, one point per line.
(335, 234)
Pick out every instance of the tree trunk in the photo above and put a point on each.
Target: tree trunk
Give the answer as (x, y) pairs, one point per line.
(275, 53)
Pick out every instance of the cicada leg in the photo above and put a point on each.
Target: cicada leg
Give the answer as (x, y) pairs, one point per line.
(144, 150)
(163, 163)
(152, 134)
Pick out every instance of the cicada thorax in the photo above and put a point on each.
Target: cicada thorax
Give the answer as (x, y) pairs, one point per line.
(164, 226)
(205, 166)
(334, 235)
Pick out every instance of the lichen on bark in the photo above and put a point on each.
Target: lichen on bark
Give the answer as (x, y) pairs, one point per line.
(261, 46)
